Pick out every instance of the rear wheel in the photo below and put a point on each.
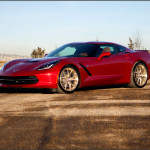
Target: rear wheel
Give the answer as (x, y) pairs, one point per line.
(139, 75)
(68, 80)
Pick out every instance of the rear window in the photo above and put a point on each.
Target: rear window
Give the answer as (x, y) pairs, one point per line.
(120, 48)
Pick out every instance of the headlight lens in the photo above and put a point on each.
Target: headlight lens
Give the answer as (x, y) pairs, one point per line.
(49, 65)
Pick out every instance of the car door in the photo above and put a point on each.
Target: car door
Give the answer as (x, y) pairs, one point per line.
(111, 69)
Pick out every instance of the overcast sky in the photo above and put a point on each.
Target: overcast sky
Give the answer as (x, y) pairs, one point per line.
(25, 25)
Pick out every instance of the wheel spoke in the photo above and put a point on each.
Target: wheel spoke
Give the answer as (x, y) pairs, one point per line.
(72, 85)
(140, 81)
(69, 85)
(63, 74)
(72, 79)
(66, 85)
(67, 73)
(70, 72)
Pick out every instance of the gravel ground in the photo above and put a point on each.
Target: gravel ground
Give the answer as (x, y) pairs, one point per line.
(91, 118)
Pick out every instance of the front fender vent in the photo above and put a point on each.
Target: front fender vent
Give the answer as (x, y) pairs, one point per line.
(86, 70)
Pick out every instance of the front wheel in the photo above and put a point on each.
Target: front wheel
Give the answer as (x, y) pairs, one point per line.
(68, 80)
(139, 76)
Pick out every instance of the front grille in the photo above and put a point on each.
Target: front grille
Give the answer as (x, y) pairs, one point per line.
(18, 80)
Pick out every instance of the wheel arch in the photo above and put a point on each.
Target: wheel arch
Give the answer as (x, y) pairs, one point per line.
(142, 61)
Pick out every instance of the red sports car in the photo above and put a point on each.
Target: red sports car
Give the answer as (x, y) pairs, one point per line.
(77, 65)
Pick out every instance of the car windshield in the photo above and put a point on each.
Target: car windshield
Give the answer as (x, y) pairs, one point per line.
(75, 50)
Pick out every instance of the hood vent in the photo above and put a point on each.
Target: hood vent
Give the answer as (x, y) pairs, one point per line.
(32, 61)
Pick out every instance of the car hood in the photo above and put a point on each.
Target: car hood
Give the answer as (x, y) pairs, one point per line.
(25, 65)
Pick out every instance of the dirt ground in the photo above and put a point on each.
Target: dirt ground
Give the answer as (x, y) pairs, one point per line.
(1, 64)
(91, 118)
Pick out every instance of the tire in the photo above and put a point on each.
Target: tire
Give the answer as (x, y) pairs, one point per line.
(68, 80)
(139, 75)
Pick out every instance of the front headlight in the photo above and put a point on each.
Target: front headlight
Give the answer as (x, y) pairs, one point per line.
(49, 65)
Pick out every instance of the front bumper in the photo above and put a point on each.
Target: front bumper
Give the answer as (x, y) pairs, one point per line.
(46, 80)
(18, 80)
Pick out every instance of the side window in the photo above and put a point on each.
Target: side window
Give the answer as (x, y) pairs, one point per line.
(98, 51)
(120, 48)
(112, 48)
(86, 49)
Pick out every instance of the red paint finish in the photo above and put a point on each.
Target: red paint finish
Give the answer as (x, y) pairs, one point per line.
(106, 69)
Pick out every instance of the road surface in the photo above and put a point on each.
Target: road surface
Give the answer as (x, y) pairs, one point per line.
(92, 118)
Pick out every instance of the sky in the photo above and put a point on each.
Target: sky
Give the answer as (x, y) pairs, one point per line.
(25, 25)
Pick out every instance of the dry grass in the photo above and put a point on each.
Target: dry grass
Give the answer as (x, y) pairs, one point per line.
(3, 62)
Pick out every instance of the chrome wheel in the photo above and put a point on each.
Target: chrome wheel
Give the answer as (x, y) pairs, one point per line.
(140, 75)
(69, 79)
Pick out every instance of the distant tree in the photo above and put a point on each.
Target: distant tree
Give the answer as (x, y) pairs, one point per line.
(137, 42)
(39, 53)
(131, 44)
(137, 39)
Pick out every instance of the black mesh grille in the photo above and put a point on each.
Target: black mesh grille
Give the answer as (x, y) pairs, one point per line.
(18, 80)
(32, 61)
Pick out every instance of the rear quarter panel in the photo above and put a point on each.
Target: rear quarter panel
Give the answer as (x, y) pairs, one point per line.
(136, 56)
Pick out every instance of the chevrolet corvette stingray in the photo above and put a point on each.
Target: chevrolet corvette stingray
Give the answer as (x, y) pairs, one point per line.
(77, 65)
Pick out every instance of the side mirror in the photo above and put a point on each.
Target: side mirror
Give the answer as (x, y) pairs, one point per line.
(103, 55)
(45, 55)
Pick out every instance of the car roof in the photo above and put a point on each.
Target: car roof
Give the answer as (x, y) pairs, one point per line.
(93, 42)
(97, 42)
